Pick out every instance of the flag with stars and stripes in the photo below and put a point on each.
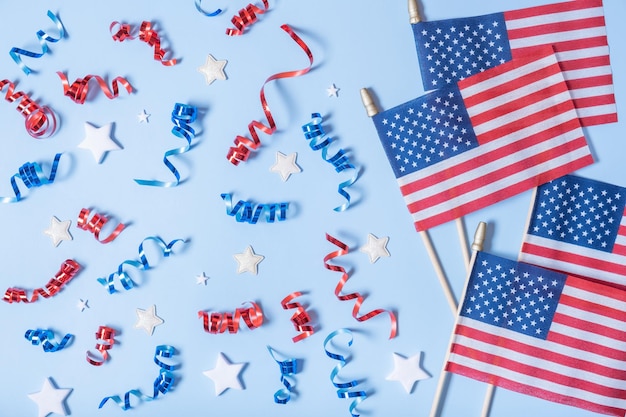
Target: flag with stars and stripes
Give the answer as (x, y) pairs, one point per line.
(486, 138)
(450, 50)
(542, 333)
(578, 226)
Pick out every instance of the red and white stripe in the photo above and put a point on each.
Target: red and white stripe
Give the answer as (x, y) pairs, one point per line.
(579, 260)
(577, 31)
(528, 133)
(581, 363)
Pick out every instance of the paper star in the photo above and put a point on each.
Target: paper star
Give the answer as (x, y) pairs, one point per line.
(213, 69)
(82, 305)
(143, 117)
(50, 399)
(248, 261)
(225, 374)
(285, 165)
(201, 279)
(375, 247)
(148, 320)
(332, 91)
(59, 230)
(407, 371)
(98, 140)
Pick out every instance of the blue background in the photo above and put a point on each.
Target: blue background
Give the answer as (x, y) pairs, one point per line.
(355, 44)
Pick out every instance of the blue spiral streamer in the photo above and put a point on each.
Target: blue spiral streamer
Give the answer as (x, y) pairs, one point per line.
(45, 338)
(211, 14)
(314, 132)
(287, 367)
(245, 211)
(142, 264)
(162, 384)
(31, 175)
(343, 390)
(182, 116)
(43, 39)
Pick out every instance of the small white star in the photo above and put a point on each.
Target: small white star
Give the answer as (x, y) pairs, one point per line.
(375, 247)
(332, 91)
(285, 165)
(50, 399)
(407, 371)
(213, 69)
(143, 117)
(59, 230)
(248, 261)
(148, 320)
(225, 374)
(201, 279)
(98, 140)
(82, 305)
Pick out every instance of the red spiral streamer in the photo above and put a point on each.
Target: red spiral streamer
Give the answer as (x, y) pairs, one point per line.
(343, 250)
(77, 91)
(146, 34)
(105, 339)
(96, 224)
(217, 322)
(300, 319)
(241, 151)
(246, 17)
(68, 270)
(40, 122)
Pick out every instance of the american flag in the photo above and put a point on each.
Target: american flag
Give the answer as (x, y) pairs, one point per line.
(488, 137)
(578, 226)
(450, 50)
(542, 333)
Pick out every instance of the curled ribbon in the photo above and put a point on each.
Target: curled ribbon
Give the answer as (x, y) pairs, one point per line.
(343, 250)
(247, 16)
(31, 175)
(288, 368)
(44, 337)
(40, 122)
(219, 322)
(68, 270)
(314, 132)
(147, 35)
(343, 388)
(244, 211)
(105, 339)
(182, 116)
(96, 224)
(210, 14)
(43, 39)
(241, 151)
(162, 384)
(142, 264)
(77, 92)
(300, 319)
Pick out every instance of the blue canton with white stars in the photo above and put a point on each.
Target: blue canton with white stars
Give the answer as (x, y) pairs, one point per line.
(515, 296)
(579, 211)
(426, 130)
(450, 50)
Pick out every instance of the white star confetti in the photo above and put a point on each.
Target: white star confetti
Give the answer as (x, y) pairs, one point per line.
(285, 165)
(201, 279)
(143, 117)
(375, 247)
(82, 305)
(332, 91)
(59, 231)
(98, 140)
(248, 261)
(225, 374)
(50, 399)
(148, 320)
(213, 69)
(407, 371)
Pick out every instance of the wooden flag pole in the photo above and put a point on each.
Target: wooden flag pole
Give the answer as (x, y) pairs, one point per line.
(372, 110)
(477, 245)
(460, 229)
(414, 12)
